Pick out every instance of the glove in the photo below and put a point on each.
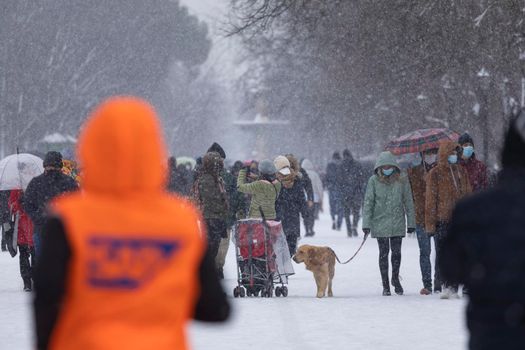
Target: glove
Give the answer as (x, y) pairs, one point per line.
(366, 231)
(431, 234)
(6, 226)
(411, 230)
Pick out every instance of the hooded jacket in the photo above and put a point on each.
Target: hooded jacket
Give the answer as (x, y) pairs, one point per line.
(388, 206)
(134, 250)
(446, 184)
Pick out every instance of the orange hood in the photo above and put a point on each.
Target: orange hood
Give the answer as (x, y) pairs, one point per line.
(121, 149)
(446, 148)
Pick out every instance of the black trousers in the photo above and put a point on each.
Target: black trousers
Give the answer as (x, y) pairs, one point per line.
(27, 261)
(441, 233)
(313, 215)
(351, 207)
(217, 230)
(387, 245)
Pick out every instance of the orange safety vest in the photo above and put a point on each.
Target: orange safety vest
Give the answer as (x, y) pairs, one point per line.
(132, 280)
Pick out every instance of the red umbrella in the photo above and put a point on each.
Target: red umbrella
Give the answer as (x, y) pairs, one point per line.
(420, 140)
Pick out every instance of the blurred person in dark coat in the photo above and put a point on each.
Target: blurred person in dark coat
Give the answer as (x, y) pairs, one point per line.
(333, 184)
(44, 188)
(352, 191)
(485, 251)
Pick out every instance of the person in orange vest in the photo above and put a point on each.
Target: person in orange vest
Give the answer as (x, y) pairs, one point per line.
(124, 264)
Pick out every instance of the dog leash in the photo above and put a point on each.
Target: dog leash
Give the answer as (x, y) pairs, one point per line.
(353, 256)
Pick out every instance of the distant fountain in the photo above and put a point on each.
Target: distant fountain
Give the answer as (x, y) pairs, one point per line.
(262, 130)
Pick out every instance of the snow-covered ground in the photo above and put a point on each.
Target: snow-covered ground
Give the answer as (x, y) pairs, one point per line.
(357, 317)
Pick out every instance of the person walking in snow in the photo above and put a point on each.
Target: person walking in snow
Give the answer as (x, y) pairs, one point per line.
(446, 184)
(264, 191)
(334, 185)
(387, 212)
(351, 191)
(44, 188)
(24, 227)
(291, 201)
(417, 176)
(476, 169)
(212, 199)
(484, 250)
(317, 186)
(123, 263)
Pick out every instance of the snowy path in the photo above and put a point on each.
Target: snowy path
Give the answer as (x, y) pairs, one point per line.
(358, 317)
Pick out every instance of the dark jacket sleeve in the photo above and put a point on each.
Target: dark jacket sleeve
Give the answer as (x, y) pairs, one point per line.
(50, 280)
(212, 305)
(308, 186)
(31, 203)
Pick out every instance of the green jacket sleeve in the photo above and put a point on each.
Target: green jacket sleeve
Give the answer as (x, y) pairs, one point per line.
(369, 203)
(244, 187)
(408, 202)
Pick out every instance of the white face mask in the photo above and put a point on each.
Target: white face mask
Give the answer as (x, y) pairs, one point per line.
(431, 158)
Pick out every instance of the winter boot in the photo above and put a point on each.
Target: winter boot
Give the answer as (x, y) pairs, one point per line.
(27, 285)
(397, 285)
(386, 285)
(333, 225)
(425, 291)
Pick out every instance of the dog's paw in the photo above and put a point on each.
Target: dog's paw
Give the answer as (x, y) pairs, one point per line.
(320, 295)
(330, 294)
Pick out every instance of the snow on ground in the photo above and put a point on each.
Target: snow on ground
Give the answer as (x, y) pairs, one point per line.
(357, 317)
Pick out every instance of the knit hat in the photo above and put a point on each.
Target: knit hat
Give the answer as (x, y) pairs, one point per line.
(282, 164)
(217, 148)
(266, 167)
(53, 159)
(465, 138)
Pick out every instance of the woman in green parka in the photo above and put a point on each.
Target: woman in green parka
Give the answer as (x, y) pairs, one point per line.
(387, 212)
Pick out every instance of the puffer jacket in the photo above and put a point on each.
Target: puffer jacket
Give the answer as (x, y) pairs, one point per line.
(23, 223)
(388, 207)
(446, 185)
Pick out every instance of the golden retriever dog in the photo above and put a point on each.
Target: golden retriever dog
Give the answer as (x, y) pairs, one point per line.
(321, 261)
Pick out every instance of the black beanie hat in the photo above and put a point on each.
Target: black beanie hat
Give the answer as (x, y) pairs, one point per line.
(465, 138)
(218, 149)
(513, 154)
(53, 159)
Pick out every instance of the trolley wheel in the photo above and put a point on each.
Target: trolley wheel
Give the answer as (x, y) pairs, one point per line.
(237, 292)
(242, 292)
(278, 291)
(284, 291)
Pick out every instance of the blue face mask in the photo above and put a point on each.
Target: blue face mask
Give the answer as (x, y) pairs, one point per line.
(453, 159)
(388, 172)
(468, 151)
